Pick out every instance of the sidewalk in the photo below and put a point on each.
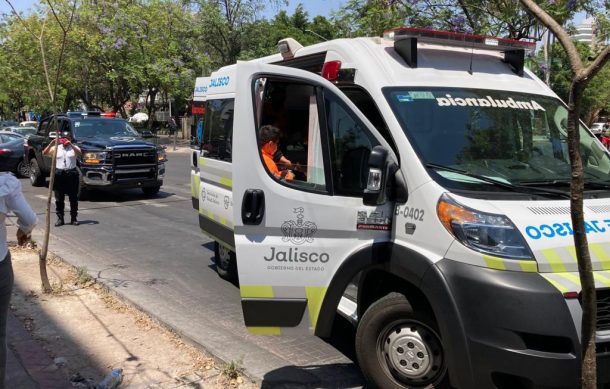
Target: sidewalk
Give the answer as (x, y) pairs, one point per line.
(80, 332)
(182, 145)
(28, 365)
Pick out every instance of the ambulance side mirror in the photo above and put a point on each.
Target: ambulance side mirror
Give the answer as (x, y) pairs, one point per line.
(384, 180)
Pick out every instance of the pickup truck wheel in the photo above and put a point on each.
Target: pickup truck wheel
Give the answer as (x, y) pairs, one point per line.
(36, 177)
(23, 168)
(226, 265)
(399, 348)
(153, 190)
(83, 192)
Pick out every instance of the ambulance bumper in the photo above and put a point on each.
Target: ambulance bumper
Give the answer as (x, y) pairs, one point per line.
(507, 329)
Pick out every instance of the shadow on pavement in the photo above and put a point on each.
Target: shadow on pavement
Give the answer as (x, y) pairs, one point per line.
(345, 376)
(52, 328)
(121, 196)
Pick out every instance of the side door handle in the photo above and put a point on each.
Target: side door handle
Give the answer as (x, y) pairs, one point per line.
(253, 207)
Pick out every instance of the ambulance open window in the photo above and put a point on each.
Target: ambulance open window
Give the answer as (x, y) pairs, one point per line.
(351, 144)
(292, 108)
(365, 103)
(218, 129)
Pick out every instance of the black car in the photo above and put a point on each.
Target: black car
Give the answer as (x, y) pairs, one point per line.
(114, 156)
(12, 153)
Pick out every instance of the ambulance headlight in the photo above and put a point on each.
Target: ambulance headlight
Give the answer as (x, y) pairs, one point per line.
(484, 232)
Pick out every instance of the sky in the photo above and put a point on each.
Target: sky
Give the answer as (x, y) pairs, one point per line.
(313, 7)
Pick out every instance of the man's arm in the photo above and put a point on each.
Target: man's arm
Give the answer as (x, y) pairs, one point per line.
(77, 149)
(50, 148)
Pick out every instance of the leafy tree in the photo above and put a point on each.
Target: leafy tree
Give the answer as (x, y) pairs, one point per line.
(595, 99)
(223, 24)
(262, 36)
(62, 18)
(494, 17)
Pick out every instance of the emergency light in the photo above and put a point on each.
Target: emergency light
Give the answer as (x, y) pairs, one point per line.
(288, 47)
(406, 39)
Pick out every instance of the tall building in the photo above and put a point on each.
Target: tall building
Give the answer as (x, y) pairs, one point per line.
(585, 31)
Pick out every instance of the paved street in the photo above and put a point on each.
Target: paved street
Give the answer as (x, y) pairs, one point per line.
(151, 251)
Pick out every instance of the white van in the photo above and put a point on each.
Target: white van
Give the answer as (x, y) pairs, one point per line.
(431, 174)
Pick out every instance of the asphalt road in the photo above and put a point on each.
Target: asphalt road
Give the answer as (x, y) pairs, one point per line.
(150, 250)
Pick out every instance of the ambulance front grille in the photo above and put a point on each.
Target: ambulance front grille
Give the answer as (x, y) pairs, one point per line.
(603, 309)
(550, 210)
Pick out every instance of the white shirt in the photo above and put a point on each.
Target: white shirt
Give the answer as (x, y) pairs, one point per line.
(66, 157)
(11, 199)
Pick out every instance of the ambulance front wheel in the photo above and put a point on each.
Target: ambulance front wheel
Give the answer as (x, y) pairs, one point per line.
(397, 347)
(226, 265)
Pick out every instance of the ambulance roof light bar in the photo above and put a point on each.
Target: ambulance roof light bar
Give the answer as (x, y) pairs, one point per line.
(406, 38)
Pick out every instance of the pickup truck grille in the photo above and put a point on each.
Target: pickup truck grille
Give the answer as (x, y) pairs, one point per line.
(129, 157)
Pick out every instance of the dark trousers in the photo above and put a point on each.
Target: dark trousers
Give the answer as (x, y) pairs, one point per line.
(6, 286)
(66, 183)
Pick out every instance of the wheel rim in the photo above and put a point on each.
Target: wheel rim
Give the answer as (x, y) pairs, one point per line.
(412, 352)
(24, 169)
(224, 257)
(33, 173)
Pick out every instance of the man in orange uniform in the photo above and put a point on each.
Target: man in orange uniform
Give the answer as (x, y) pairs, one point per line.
(269, 137)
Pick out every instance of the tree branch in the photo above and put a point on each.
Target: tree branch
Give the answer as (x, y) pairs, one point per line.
(597, 64)
(560, 33)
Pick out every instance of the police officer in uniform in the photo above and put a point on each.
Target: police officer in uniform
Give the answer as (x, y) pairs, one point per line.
(66, 176)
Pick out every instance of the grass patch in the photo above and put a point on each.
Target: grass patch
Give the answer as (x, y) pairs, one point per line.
(82, 276)
(232, 370)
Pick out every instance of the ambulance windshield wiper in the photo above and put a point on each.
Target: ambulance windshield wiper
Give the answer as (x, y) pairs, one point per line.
(502, 184)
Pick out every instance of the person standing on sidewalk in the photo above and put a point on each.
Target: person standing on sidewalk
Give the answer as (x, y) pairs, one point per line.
(66, 176)
(11, 199)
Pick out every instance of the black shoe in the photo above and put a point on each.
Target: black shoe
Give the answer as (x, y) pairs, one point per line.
(59, 222)
(74, 222)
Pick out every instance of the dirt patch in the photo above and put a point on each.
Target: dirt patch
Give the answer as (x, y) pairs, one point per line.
(88, 332)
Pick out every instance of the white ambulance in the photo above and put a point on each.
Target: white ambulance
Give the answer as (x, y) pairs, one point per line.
(418, 184)
(198, 111)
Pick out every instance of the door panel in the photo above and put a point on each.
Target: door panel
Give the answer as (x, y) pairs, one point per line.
(288, 258)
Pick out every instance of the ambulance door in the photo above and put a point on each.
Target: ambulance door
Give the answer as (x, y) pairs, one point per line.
(291, 235)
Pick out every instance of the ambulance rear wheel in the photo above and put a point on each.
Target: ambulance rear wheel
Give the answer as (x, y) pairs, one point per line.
(397, 347)
(226, 265)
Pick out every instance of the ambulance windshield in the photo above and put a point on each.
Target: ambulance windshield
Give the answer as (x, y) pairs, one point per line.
(503, 137)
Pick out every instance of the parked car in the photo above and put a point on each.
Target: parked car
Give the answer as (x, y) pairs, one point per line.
(29, 123)
(12, 153)
(597, 128)
(24, 132)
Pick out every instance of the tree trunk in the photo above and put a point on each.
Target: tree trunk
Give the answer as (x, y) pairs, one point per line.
(42, 259)
(152, 97)
(588, 298)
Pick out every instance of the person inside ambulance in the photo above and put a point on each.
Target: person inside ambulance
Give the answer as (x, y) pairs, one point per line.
(269, 138)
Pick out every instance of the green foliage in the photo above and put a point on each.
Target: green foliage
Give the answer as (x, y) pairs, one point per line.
(233, 369)
(82, 276)
(596, 98)
(119, 49)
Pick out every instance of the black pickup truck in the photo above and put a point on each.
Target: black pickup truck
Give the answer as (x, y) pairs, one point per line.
(114, 155)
